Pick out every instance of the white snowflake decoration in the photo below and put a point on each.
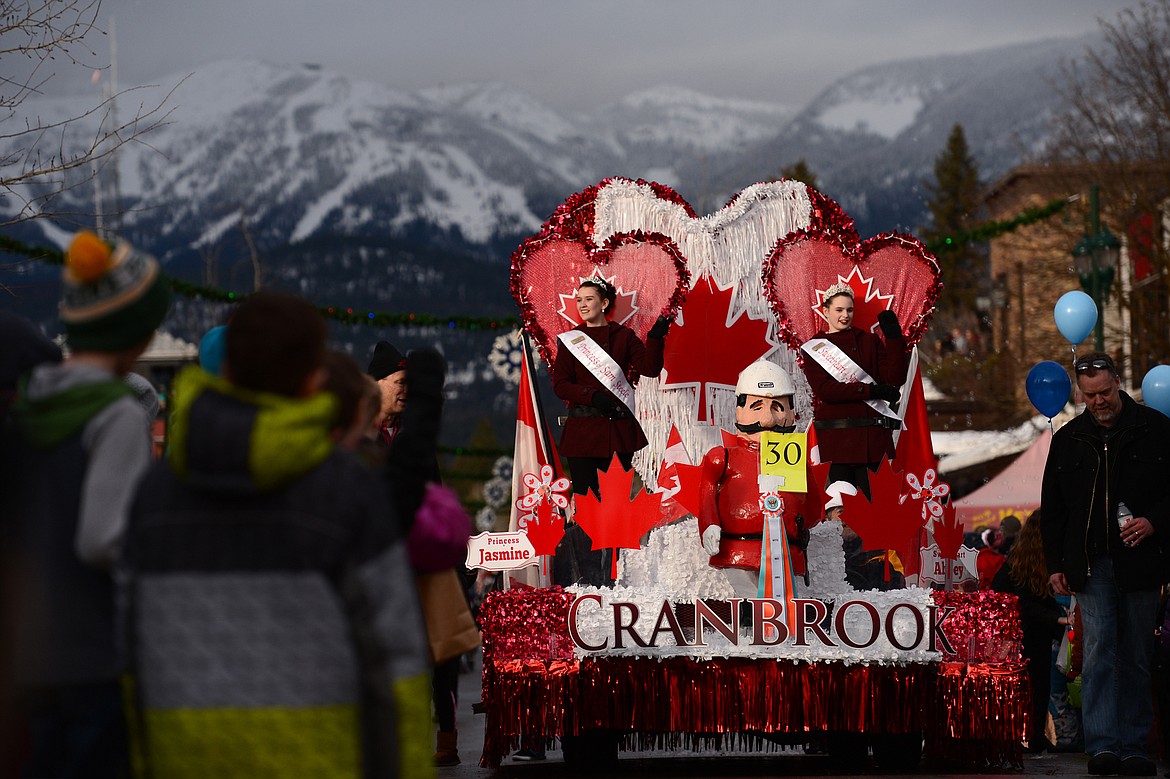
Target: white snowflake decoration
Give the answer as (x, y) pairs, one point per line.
(506, 357)
(485, 519)
(928, 492)
(495, 492)
(502, 468)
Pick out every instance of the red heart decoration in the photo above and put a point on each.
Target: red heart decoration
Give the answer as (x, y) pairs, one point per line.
(647, 270)
(888, 271)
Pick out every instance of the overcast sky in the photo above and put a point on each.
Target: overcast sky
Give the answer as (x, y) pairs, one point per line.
(578, 55)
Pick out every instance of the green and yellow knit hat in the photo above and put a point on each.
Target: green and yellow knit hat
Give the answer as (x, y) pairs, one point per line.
(114, 297)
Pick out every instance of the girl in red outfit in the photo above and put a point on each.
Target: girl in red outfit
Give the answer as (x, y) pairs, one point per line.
(592, 373)
(854, 376)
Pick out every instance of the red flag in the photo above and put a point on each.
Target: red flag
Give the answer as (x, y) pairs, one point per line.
(915, 451)
(679, 490)
(534, 450)
(814, 447)
(948, 533)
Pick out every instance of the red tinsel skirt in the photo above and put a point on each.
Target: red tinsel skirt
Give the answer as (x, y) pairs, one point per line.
(534, 685)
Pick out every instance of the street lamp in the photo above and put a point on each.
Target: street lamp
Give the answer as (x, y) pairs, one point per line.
(1095, 258)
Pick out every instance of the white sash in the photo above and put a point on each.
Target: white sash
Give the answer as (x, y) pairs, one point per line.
(842, 368)
(598, 362)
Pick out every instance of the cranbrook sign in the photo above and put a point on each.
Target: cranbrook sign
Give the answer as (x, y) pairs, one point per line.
(844, 629)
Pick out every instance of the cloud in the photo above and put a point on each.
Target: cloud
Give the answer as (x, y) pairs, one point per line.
(580, 55)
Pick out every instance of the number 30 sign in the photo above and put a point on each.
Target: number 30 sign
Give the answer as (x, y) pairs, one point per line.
(785, 454)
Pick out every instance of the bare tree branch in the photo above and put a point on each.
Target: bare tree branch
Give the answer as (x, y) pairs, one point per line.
(1115, 133)
(41, 160)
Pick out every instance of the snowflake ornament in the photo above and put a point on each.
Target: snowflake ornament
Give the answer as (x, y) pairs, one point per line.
(506, 357)
(495, 492)
(502, 468)
(485, 519)
(543, 488)
(928, 492)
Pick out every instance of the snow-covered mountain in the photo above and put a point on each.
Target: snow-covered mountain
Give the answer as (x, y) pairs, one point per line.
(872, 136)
(355, 193)
(295, 153)
(271, 157)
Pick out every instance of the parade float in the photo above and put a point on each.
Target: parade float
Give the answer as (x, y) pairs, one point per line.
(671, 655)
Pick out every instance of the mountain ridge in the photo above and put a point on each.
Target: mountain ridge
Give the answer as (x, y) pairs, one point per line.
(293, 152)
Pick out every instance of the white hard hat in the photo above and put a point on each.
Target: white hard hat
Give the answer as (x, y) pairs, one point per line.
(766, 379)
(835, 491)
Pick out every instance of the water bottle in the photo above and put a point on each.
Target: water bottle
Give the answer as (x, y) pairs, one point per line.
(1123, 514)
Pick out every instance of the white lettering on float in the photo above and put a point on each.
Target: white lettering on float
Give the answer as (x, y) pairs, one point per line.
(814, 623)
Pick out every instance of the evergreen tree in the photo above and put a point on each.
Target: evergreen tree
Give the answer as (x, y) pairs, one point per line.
(954, 206)
(800, 171)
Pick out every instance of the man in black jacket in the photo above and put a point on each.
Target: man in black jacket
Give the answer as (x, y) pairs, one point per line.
(1114, 453)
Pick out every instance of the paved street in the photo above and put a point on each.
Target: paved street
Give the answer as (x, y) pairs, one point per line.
(709, 765)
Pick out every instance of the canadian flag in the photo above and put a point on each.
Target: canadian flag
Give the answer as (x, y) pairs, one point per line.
(668, 478)
(814, 447)
(914, 451)
(534, 449)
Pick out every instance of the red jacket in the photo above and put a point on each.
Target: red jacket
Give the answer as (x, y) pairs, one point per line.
(729, 496)
(597, 436)
(887, 363)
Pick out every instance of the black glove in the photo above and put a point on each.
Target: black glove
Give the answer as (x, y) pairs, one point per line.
(888, 322)
(604, 402)
(661, 325)
(887, 392)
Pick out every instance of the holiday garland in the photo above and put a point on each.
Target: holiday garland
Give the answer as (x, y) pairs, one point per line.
(348, 315)
(995, 228)
(343, 314)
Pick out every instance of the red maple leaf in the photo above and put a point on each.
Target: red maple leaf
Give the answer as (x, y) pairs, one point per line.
(710, 344)
(624, 305)
(948, 532)
(545, 529)
(867, 301)
(885, 521)
(616, 521)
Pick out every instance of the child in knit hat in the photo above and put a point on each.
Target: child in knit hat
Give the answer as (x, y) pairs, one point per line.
(270, 608)
(82, 443)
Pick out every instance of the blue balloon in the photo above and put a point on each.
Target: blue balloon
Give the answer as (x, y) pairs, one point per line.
(212, 348)
(1156, 388)
(1048, 387)
(1075, 315)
